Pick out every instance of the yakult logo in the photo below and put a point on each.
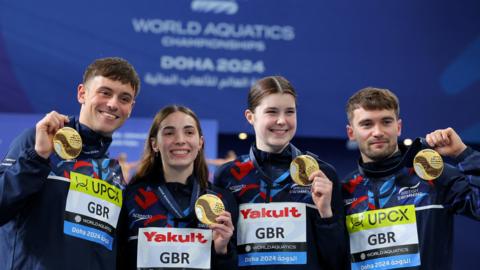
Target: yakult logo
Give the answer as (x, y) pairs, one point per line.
(175, 238)
(264, 213)
(229, 7)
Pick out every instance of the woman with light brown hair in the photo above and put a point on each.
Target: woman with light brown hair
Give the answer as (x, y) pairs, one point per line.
(159, 228)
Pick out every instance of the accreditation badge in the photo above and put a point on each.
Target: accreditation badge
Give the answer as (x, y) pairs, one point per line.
(92, 209)
(178, 248)
(272, 234)
(384, 238)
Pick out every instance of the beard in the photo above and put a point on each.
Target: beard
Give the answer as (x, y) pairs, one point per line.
(379, 154)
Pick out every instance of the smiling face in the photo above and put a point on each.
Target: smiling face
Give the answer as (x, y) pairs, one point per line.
(106, 104)
(376, 132)
(178, 140)
(274, 121)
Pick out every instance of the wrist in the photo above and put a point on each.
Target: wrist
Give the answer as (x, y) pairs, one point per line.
(326, 213)
(459, 150)
(222, 250)
(42, 154)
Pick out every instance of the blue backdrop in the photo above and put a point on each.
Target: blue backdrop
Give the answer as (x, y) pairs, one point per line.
(205, 54)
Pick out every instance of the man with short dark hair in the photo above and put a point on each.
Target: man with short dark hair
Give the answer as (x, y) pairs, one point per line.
(59, 210)
(400, 202)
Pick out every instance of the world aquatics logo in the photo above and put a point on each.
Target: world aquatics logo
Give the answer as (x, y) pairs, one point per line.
(229, 7)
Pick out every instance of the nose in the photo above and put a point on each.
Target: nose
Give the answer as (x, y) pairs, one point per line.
(113, 103)
(180, 138)
(281, 119)
(377, 131)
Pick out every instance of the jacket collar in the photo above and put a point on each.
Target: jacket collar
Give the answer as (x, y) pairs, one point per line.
(94, 145)
(401, 159)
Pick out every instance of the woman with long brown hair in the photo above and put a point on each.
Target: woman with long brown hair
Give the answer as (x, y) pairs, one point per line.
(159, 228)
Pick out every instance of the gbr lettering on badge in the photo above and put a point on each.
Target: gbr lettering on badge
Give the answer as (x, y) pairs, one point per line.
(384, 238)
(272, 234)
(174, 248)
(92, 209)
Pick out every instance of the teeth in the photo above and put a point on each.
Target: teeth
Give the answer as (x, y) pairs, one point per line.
(180, 152)
(109, 116)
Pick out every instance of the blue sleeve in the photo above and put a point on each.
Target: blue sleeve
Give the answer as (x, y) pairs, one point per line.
(331, 236)
(22, 175)
(463, 185)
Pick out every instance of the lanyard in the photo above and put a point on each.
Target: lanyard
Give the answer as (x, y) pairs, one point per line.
(283, 176)
(171, 204)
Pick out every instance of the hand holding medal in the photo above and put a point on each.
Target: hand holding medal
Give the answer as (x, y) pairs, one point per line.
(45, 130)
(211, 211)
(446, 142)
(208, 207)
(428, 163)
(305, 171)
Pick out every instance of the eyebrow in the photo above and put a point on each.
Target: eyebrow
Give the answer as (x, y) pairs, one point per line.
(276, 108)
(371, 120)
(172, 127)
(111, 90)
(105, 88)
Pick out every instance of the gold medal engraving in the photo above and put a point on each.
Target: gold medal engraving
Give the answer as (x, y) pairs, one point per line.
(301, 168)
(208, 207)
(67, 143)
(428, 164)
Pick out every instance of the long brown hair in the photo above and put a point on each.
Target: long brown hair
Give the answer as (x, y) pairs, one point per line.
(151, 166)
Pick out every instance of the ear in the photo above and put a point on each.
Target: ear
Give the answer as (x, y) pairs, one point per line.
(153, 144)
(250, 116)
(81, 93)
(350, 133)
(201, 142)
(399, 126)
(131, 109)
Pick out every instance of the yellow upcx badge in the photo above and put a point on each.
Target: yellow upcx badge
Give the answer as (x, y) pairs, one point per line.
(96, 188)
(428, 164)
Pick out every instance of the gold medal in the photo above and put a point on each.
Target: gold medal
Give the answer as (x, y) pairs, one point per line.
(301, 168)
(208, 207)
(428, 164)
(67, 143)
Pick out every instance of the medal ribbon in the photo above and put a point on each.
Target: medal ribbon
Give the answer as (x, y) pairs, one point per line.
(171, 204)
(283, 176)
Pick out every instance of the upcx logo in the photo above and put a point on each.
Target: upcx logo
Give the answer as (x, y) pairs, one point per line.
(229, 7)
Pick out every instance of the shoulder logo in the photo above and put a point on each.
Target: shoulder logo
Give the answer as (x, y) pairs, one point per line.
(410, 192)
(236, 188)
(299, 189)
(409, 188)
(229, 7)
(8, 162)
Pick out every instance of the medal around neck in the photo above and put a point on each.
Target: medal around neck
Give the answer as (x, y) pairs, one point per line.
(67, 143)
(208, 207)
(428, 164)
(301, 168)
